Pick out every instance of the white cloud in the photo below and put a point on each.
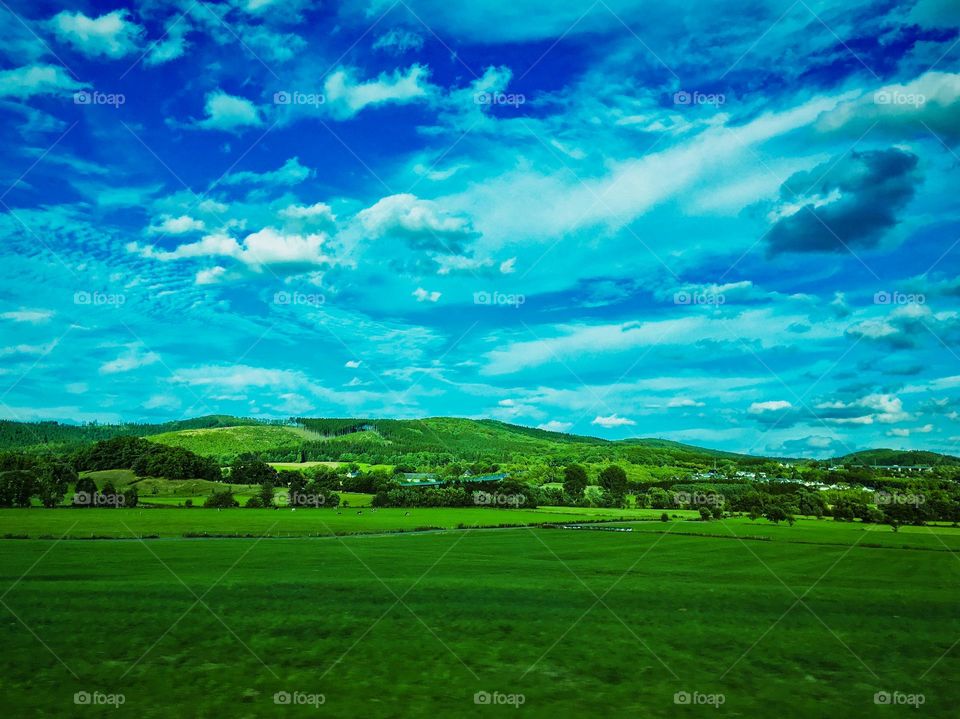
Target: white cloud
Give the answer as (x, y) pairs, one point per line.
(423, 295)
(173, 44)
(883, 408)
(290, 173)
(421, 222)
(574, 342)
(133, 358)
(555, 426)
(211, 276)
(346, 96)
(352, 364)
(178, 225)
(684, 402)
(266, 247)
(771, 406)
(399, 41)
(31, 80)
(613, 420)
(25, 349)
(31, 316)
(111, 35)
(319, 213)
(902, 432)
(507, 266)
(162, 401)
(229, 113)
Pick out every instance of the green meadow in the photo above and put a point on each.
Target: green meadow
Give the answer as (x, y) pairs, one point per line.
(570, 622)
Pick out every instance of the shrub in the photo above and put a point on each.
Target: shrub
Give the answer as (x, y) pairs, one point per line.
(221, 500)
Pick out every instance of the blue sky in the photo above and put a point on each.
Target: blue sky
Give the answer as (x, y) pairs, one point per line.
(735, 225)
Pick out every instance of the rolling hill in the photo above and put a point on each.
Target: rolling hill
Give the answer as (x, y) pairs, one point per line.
(903, 458)
(434, 440)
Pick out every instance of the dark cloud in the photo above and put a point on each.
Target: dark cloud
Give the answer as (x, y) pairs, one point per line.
(859, 196)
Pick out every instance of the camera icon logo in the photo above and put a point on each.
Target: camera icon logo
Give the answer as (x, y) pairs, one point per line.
(82, 298)
(282, 298)
(681, 698)
(482, 698)
(881, 298)
(882, 698)
(282, 698)
(882, 97)
(81, 698)
(281, 98)
(681, 97)
(82, 98)
(681, 298)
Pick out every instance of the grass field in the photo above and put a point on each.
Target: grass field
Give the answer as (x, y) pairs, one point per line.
(84, 523)
(513, 611)
(231, 441)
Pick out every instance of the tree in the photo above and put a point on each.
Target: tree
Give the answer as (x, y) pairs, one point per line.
(265, 494)
(16, 488)
(614, 480)
(811, 504)
(664, 517)
(131, 497)
(776, 514)
(53, 481)
(659, 498)
(296, 484)
(574, 480)
(247, 469)
(221, 500)
(705, 514)
(84, 492)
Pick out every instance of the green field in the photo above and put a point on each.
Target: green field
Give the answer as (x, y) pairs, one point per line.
(126, 523)
(231, 441)
(512, 611)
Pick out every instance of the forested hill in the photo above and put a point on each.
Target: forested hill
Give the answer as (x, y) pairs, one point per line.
(62, 435)
(902, 458)
(431, 441)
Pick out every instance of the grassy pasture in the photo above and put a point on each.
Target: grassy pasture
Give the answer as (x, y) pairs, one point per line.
(512, 611)
(231, 441)
(126, 523)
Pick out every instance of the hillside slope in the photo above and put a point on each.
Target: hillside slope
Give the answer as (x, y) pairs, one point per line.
(903, 458)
